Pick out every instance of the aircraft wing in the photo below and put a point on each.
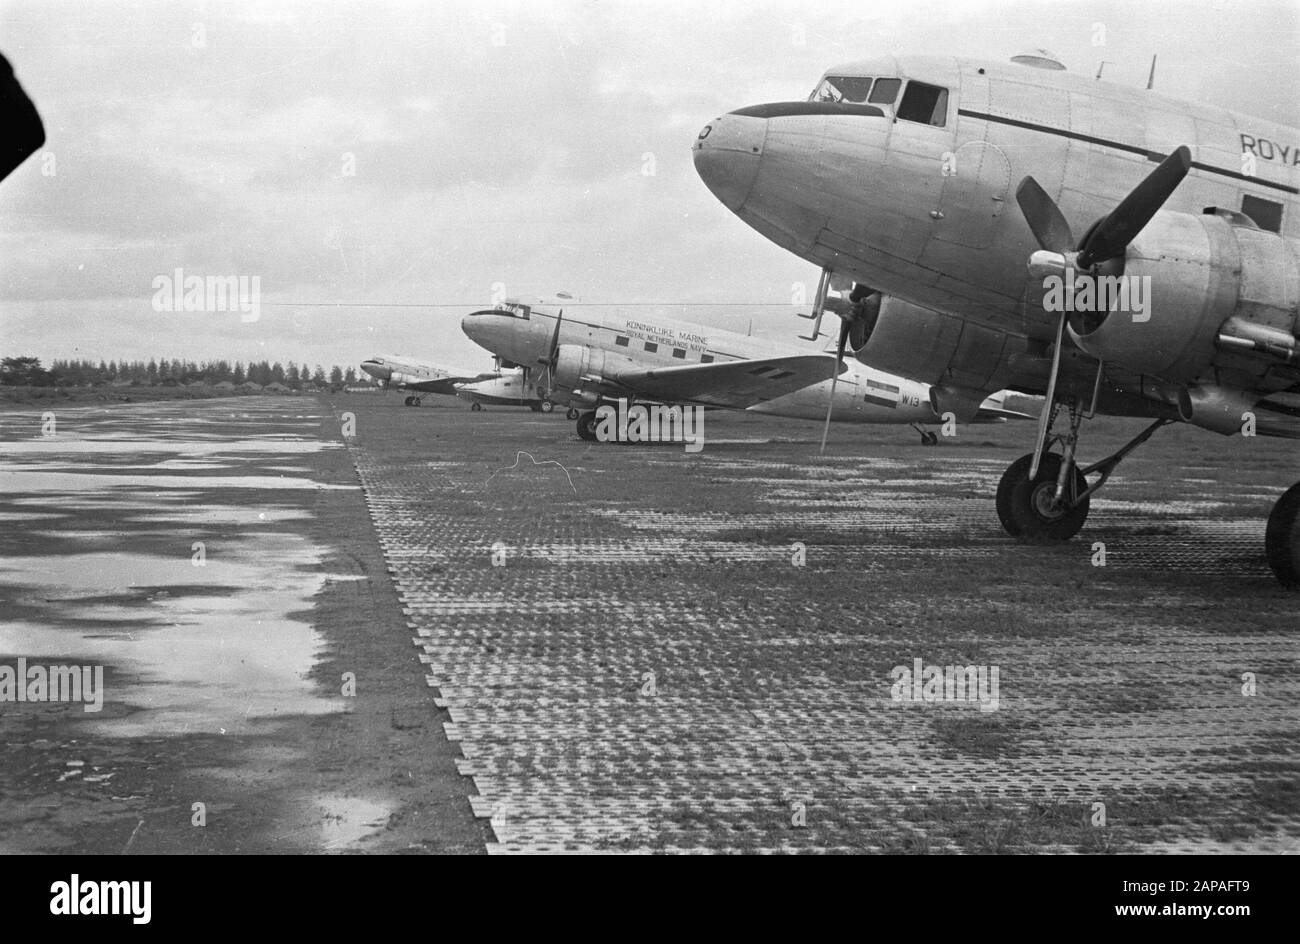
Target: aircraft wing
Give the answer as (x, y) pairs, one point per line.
(734, 385)
(995, 409)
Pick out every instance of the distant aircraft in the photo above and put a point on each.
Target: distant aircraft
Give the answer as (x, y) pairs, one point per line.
(510, 389)
(978, 205)
(406, 374)
(584, 360)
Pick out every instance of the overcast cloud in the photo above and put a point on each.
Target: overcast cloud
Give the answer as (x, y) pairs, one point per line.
(491, 143)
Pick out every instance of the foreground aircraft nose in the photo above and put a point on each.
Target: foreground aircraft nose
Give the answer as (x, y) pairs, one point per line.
(376, 370)
(477, 325)
(727, 152)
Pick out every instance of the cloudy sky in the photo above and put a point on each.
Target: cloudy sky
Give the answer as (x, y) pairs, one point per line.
(421, 154)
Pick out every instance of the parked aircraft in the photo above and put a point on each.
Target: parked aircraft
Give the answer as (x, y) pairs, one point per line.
(512, 389)
(969, 201)
(584, 359)
(406, 374)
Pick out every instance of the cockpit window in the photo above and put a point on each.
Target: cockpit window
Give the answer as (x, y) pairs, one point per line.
(885, 92)
(927, 104)
(842, 88)
(516, 309)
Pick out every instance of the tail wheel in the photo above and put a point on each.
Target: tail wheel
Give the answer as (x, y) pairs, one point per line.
(476, 407)
(572, 414)
(1282, 538)
(547, 406)
(587, 426)
(1026, 509)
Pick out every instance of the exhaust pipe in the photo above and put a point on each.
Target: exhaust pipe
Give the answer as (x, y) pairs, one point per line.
(1220, 409)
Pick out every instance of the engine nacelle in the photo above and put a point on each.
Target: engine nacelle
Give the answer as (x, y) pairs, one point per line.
(575, 361)
(1182, 279)
(934, 347)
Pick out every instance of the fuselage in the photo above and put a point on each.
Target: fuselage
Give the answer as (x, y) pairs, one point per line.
(507, 390)
(914, 194)
(408, 374)
(523, 332)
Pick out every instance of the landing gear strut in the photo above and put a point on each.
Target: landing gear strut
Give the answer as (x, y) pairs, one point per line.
(928, 437)
(1044, 497)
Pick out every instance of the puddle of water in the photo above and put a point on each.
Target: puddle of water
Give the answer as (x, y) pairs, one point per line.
(347, 820)
(207, 662)
(15, 478)
(85, 445)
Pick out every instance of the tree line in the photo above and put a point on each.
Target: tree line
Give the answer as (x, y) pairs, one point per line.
(28, 372)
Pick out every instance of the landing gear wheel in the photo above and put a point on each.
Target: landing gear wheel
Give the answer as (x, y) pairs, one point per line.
(587, 426)
(572, 414)
(476, 407)
(407, 401)
(929, 438)
(1282, 538)
(1025, 507)
(547, 406)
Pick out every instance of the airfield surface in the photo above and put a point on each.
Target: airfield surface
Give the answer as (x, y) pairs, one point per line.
(561, 646)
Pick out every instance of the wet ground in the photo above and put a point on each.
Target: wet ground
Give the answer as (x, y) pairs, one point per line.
(215, 561)
(633, 648)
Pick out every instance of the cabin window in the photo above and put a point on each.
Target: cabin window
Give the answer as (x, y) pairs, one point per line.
(680, 353)
(621, 341)
(1266, 214)
(885, 92)
(706, 358)
(651, 347)
(927, 104)
(842, 88)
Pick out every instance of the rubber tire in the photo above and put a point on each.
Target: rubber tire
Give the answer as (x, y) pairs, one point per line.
(1016, 507)
(476, 407)
(929, 438)
(587, 426)
(547, 406)
(407, 401)
(1282, 538)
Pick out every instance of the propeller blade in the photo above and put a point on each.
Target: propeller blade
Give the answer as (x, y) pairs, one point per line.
(1044, 217)
(1111, 236)
(555, 338)
(845, 326)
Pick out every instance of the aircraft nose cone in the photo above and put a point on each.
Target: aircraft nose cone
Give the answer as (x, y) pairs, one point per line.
(483, 328)
(727, 152)
(376, 370)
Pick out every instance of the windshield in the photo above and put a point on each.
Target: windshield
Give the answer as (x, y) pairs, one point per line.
(514, 308)
(842, 88)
